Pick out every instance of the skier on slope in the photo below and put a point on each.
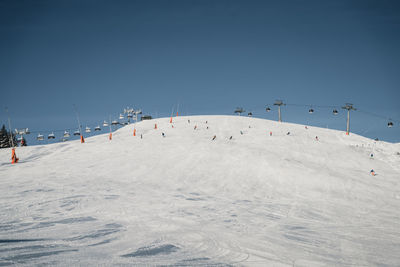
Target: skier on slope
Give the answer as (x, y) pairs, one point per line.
(163, 134)
(372, 172)
(214, 137)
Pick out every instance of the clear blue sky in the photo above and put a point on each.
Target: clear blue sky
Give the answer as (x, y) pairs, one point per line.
(210, 56)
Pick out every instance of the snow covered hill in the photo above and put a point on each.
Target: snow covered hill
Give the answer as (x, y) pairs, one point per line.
(185, 199)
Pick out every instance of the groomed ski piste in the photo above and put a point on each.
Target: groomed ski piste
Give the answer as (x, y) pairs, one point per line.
(187, 200)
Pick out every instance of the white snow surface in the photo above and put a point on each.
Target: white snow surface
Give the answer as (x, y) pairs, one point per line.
(185, 200)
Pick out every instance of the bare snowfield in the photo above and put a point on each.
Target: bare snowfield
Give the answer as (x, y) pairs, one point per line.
(184, 200)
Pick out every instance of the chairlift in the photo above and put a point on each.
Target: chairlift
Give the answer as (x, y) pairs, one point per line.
(335, 112)
(40, 137)
(105, 124)
(310, 111)
(77, 132)
(249, 114)
(267, 109)
(390, 124)
(239, 110)
(114, 122)
(87, 129)
(51, 136)
(121, 116)
(27, 131)
(66, 134)
(97, 128)
(130, 115)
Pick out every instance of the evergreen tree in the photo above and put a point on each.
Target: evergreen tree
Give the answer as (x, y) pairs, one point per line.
(5, 136)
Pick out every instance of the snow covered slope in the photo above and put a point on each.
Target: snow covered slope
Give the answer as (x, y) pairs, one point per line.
(183, 199)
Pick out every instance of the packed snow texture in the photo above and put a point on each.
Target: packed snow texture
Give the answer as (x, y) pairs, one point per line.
(183, 199)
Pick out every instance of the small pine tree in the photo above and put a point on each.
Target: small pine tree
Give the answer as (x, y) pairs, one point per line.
(5, 136)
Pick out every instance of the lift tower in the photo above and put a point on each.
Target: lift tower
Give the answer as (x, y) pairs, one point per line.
(349, 107)
(279, 103)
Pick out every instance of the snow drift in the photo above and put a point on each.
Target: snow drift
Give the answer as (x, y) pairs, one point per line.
(183, 199)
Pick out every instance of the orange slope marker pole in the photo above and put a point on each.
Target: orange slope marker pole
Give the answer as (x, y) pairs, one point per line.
(134, 132)
(110, 135)
(155, 126)
(172, 112)
(14, 158)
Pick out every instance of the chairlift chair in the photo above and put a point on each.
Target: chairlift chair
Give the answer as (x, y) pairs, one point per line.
(97, 128)
(77, 132)
(87, 129)
(27, 131)
(390, 124)
(51, 136)
(310, 111)
(335, 112)
(130, 115)
(239, 110)
(105, 124)
(66, 134)
(114, 122)
(40, 137)
(121, 116)
(267, 109)
(249, 114)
